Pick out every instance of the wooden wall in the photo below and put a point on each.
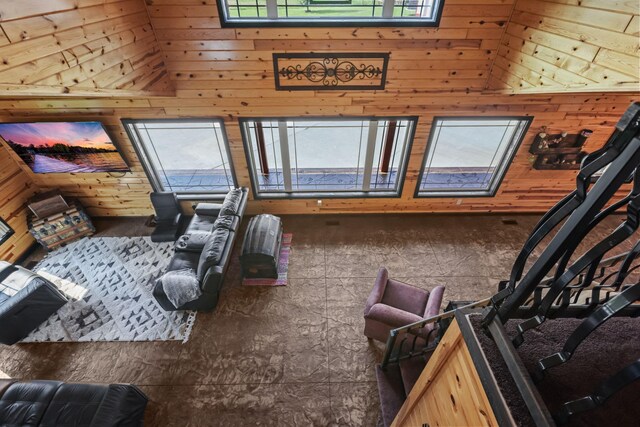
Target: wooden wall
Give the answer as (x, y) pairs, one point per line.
(201, 56)
(16, 187)
(523, 190)
(228, 73)
(65, 46)
(555, 45)
(449, 391)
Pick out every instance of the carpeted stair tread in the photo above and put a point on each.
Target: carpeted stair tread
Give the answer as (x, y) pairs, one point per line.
(391, 392)
(410, 370)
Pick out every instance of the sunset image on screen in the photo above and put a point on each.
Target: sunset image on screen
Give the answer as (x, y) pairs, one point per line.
(59, 147)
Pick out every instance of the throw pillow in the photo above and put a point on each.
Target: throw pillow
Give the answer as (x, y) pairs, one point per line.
(224, 221)
(181, 286)
(231, 202)
(212, 251)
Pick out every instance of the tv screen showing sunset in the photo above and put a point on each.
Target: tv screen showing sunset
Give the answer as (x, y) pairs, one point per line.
(63, 147)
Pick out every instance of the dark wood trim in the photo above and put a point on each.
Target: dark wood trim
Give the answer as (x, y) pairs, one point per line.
(262, 149)
(388, 146)
(496, 400)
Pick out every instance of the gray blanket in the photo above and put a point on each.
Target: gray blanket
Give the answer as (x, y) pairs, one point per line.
(181, 286)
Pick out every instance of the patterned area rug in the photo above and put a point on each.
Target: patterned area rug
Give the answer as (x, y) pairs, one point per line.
(109, 283)
(283, 266)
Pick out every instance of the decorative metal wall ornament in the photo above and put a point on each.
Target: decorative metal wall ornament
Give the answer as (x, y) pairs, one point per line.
(561, 151)
(330, 71)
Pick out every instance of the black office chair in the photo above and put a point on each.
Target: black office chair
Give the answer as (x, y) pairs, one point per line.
(168, 219)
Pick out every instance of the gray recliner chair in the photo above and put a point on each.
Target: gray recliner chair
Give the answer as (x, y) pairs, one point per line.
(26, 300)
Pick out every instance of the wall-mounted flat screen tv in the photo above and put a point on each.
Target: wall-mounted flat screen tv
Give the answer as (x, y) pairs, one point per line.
(64, 147)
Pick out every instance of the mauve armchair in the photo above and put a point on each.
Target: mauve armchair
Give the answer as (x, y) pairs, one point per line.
(393, 304)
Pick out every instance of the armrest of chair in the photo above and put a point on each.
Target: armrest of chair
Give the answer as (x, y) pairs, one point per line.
(27, 309)
(433, 304)
(391, 316)
(123, 405)
(378, 289)
(39, 293)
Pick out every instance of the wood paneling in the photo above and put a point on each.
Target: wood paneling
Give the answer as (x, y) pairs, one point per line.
(449, 391)
(102, 194)
(561, 45)
(16, 187)
(523, 190)
(61, 46)
(455, 56)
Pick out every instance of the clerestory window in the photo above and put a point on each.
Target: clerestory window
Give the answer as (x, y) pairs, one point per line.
(327, 13)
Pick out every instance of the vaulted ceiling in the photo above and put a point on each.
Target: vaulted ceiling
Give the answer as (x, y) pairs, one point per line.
(133, 47)
(565, 45)
(79, 47)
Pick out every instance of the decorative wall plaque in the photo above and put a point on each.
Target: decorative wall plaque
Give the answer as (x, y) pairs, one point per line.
(330, 71)
(559, 151)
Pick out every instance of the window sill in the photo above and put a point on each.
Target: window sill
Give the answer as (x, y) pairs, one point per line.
(454, 195)
(345, 22)
(345, 195)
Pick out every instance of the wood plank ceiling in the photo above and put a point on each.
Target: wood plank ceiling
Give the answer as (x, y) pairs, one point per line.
(560, 45)
(83, 47)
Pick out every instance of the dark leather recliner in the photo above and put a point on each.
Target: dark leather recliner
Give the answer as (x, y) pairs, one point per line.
(168, 218)
(189, 255)
(54, 403)
(26, 300)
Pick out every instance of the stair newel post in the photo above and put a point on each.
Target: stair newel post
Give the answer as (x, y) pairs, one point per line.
(391, 341)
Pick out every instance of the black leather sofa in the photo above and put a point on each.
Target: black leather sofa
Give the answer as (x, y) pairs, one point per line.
(212, 230)
(26, 300)
(54, 403)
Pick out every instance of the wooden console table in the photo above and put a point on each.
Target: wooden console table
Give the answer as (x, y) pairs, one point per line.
(61, 228)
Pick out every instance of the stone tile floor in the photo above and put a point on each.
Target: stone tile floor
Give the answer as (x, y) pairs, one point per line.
(292, 355)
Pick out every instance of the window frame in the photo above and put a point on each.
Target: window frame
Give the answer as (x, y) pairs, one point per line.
(10, 231)
(258, 195)
(503, 168)
(226, 22)
(151, 173)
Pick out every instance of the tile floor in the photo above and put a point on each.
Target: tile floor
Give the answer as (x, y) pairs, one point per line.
(291, 355)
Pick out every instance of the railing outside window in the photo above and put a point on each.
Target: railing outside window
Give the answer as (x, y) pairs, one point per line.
(327, 157)
(469, 156)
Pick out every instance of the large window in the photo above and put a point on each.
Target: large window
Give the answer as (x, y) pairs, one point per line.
(259, 13)
(184, 156)
(468, 156)
(327, 157)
